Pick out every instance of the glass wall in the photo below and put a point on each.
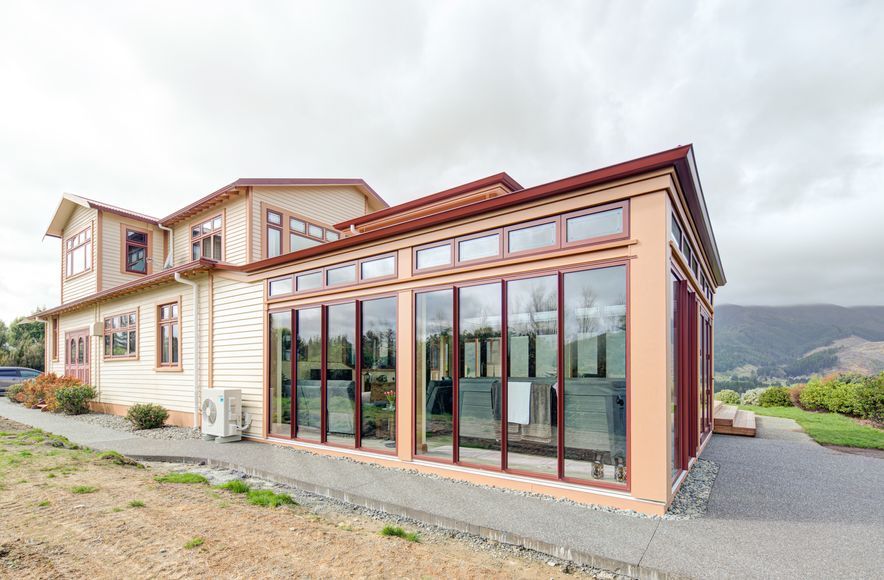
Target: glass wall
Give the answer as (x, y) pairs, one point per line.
(532, 363)
(281, 373)
(309, 373)
(378, 396)
(479, 378)
(340, 374)
(433, 378)
(595, 374)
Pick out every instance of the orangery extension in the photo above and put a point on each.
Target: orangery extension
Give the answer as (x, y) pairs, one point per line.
(554, 338)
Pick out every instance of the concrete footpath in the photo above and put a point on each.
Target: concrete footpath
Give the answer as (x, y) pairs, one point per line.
(782, 506)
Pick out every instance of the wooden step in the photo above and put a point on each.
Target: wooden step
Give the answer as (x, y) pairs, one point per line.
(725, 415)
(743, 423)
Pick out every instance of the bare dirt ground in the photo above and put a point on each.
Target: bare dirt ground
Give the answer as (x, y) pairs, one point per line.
(49, 531)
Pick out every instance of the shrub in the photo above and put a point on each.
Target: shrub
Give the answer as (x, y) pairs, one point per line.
(870, 399)
(814, 396)
(147, 415)
(728, 397)
(74, 399)
(842, 397)
(775, 397)
(43, 389)
(795, 394)
(751, 396)
(13, 391)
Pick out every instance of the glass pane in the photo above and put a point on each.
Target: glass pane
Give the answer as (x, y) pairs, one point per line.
(132, 343)
(309, 281)
(676, 231)
(121, 342)
(136, 259)
(314, 231)
(477, 248)
(274, 217)
(332, 236)
(595, 374)
(195, 253)
(300, 242)
(107, 345)
(136, 237)
(195, 232)
(672, 379)
(532, 237)
(174, 311)
(87, 252)
(207, 227)
(207, 247)
(594, 225)
(432, 257)
(378, 268)
(309, 373)
(340, 374)
(216, 223)
(81, 351)
(216, 247)
(164, 313)
(479, 384)
(175, 345)
(433, 380)
(164, 344)
(532, 398)
(378, 397)
(281, 373)
(340, 275)
(274, 242)
(297, 225)
(132, 319)
(281, 286)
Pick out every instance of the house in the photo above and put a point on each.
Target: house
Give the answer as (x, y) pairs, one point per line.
(555, 338)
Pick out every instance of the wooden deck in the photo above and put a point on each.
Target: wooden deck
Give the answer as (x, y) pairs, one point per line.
(728, 420)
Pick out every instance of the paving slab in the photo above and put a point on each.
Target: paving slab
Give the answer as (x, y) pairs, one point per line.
(782, 506)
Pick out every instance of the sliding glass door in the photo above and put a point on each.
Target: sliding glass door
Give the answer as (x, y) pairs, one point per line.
(343, 374)
(540, 381)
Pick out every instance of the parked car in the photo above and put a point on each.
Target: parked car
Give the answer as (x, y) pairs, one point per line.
(13, 375)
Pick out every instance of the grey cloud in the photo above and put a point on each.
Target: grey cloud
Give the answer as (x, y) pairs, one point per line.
(151, 105)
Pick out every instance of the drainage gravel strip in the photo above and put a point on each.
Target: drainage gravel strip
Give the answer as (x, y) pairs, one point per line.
(122, 424)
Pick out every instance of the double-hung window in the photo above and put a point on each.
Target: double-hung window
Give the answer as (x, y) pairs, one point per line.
(136, 251)
(206, 239)
(78, 253)
(169, 332)
(121, 336)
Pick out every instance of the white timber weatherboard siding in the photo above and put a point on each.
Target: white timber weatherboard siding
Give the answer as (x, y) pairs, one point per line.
(112, 268)
(82, 284)
(238, 339)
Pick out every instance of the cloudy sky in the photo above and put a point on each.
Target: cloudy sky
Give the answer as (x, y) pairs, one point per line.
(150, 105)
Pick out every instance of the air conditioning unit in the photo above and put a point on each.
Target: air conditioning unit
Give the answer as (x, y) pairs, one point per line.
(223, 417)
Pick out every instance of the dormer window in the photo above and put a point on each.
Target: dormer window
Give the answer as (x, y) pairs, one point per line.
(136, 251)
(78, 253)
(206, 239)
(285, 232)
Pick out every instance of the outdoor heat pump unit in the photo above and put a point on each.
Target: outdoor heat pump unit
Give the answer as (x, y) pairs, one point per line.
(223, 417)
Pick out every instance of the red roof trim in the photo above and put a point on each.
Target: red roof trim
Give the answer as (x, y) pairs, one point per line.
(678, 158)
(499, 178)
(198, 265)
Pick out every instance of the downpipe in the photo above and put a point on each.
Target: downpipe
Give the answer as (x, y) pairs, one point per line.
(196, 345)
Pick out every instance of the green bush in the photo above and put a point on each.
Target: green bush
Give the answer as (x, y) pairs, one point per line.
(74, 399)
(13, 392)
(147, 416)
(775, 397)
(842, 397)
(751, 396)
(728, 397)
(815, 395)
(870, 399)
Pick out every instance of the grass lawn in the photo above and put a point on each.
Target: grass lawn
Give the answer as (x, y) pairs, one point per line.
(827, 428)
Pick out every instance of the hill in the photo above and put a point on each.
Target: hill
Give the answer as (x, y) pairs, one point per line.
(797, 341)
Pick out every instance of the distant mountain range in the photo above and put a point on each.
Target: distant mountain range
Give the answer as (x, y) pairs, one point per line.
(787, 342)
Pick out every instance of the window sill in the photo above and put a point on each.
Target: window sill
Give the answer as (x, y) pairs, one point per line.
(119, 358)
(169, 369)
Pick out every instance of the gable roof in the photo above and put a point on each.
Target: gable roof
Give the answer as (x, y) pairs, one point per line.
(216, 197)
(69, 202)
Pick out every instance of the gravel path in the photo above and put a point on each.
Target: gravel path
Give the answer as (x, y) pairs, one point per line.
(121, 424)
